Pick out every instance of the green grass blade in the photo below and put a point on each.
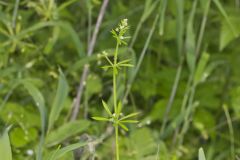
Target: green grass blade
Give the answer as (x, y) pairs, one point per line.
(162, 16)
(149, 8)
(5, 146)
(180, 25)
(58, 103)
(190, 40)
(201, 155)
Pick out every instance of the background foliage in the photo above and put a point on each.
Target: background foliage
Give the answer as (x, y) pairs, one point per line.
(186, 80)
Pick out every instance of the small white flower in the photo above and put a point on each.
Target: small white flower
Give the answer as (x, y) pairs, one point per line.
(30, 152)
(105, 53)
(125, 22)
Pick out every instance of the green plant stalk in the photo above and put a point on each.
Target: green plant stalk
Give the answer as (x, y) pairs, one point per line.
(231, 130)
(118, 34)
(116, 142)
(115, 79)
(115, 99)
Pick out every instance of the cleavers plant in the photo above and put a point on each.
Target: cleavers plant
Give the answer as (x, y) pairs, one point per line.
(116, 118)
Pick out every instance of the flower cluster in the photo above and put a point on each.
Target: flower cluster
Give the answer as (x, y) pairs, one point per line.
(120, 31)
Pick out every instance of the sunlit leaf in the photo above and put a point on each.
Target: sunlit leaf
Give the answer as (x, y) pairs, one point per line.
(201, 155)
(100, 118)
(5, 147)
(106, 108)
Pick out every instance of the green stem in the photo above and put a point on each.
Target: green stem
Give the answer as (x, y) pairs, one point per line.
(115, 79)
(115, 99)
(116, 142)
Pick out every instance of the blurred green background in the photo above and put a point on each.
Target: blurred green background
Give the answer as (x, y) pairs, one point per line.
(185, 83)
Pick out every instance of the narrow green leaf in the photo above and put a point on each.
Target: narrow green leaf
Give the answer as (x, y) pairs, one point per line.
(129, 121)
(5, 146)
(124, 61)
(129, 116)
(119, 108)
(109, 61)
(61, 152)
(100, 118)
(60, 97)
(190, 40)
(126, 65)
(66, 131)
(149, 8)
(106, 67)
(123, 126)
(180, 25)
(66, 4)
(162, 16)
(201, 155)
(106, 108)
(199, 74)
(221, 9)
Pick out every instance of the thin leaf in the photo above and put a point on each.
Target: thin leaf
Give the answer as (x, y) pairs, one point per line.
(119, 108)
(130, 115)
(126, 65)
(149, 8)
(201, 155)
(180, 25)
(124, 61)
(162, 16)
(106, 108)
(66, 131)
(58, 103)
(61, 152)
(106, 67)
(123, 126)
(66, 4)
(129, 121)
(100, 118)
(199, 74)
(109, 61)
(5, 146)
(190, 40)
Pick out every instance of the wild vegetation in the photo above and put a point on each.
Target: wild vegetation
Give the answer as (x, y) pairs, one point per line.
(163, 75)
